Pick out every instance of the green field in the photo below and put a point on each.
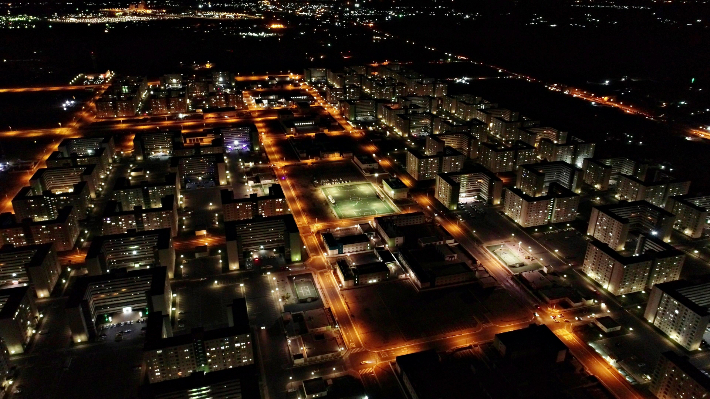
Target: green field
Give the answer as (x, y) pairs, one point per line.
(355, 200)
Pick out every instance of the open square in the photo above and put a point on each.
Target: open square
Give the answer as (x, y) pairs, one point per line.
(355, 200)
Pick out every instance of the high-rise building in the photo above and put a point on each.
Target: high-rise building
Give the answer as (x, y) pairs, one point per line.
(235, 383)
(675, 377)
(63, 231)
(146, 194)
(200, 171)
(681, 310)
(611, 224)
(98, 157)
(36, 265)
(533, 135)
(172, 357)
(94, 299)
(18, 317)
(273, 204)
(115, 220)
(574, 151)
(461, 187)
(500, 158)
(535, 179)
(465, 143)
(601, 173)
(557, 205)
(691, 214)
(426, 167)
(652, 262)
(251, 239)
(63, 179)
(83, 146)
(132, 250)
(46, 205)
(155, 144)
(655, 190)
(240, 138)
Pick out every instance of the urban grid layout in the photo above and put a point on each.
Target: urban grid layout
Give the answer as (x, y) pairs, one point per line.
(355, 199)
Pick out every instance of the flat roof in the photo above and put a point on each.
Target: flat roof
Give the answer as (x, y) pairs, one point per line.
(394, 183)
(315, 385)
(688, 368)
(10, 300)
(157, 285)
(247, 377)
(538, 335)
(368, 268)
(607, 322)
(97, 243)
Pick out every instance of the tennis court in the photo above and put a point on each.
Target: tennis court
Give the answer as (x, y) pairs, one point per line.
(355, 200)
(305, 290)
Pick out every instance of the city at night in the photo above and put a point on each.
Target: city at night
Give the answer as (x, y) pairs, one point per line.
(355, 199)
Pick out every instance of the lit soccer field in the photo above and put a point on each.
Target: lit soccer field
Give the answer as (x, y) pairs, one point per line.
(506, 255)
(355, 200)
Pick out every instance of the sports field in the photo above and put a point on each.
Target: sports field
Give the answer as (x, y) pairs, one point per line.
(354, 200)
(506, 255)
(305, 290)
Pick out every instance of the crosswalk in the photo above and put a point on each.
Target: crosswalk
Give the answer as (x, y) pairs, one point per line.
(367, 370)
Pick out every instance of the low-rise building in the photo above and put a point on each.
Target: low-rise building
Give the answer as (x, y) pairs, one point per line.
(607, 324)
(681, 310)
(346, 244)
(366, 163)
(386, 226)
(434, 266)
(395, 188)
(535, 343)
